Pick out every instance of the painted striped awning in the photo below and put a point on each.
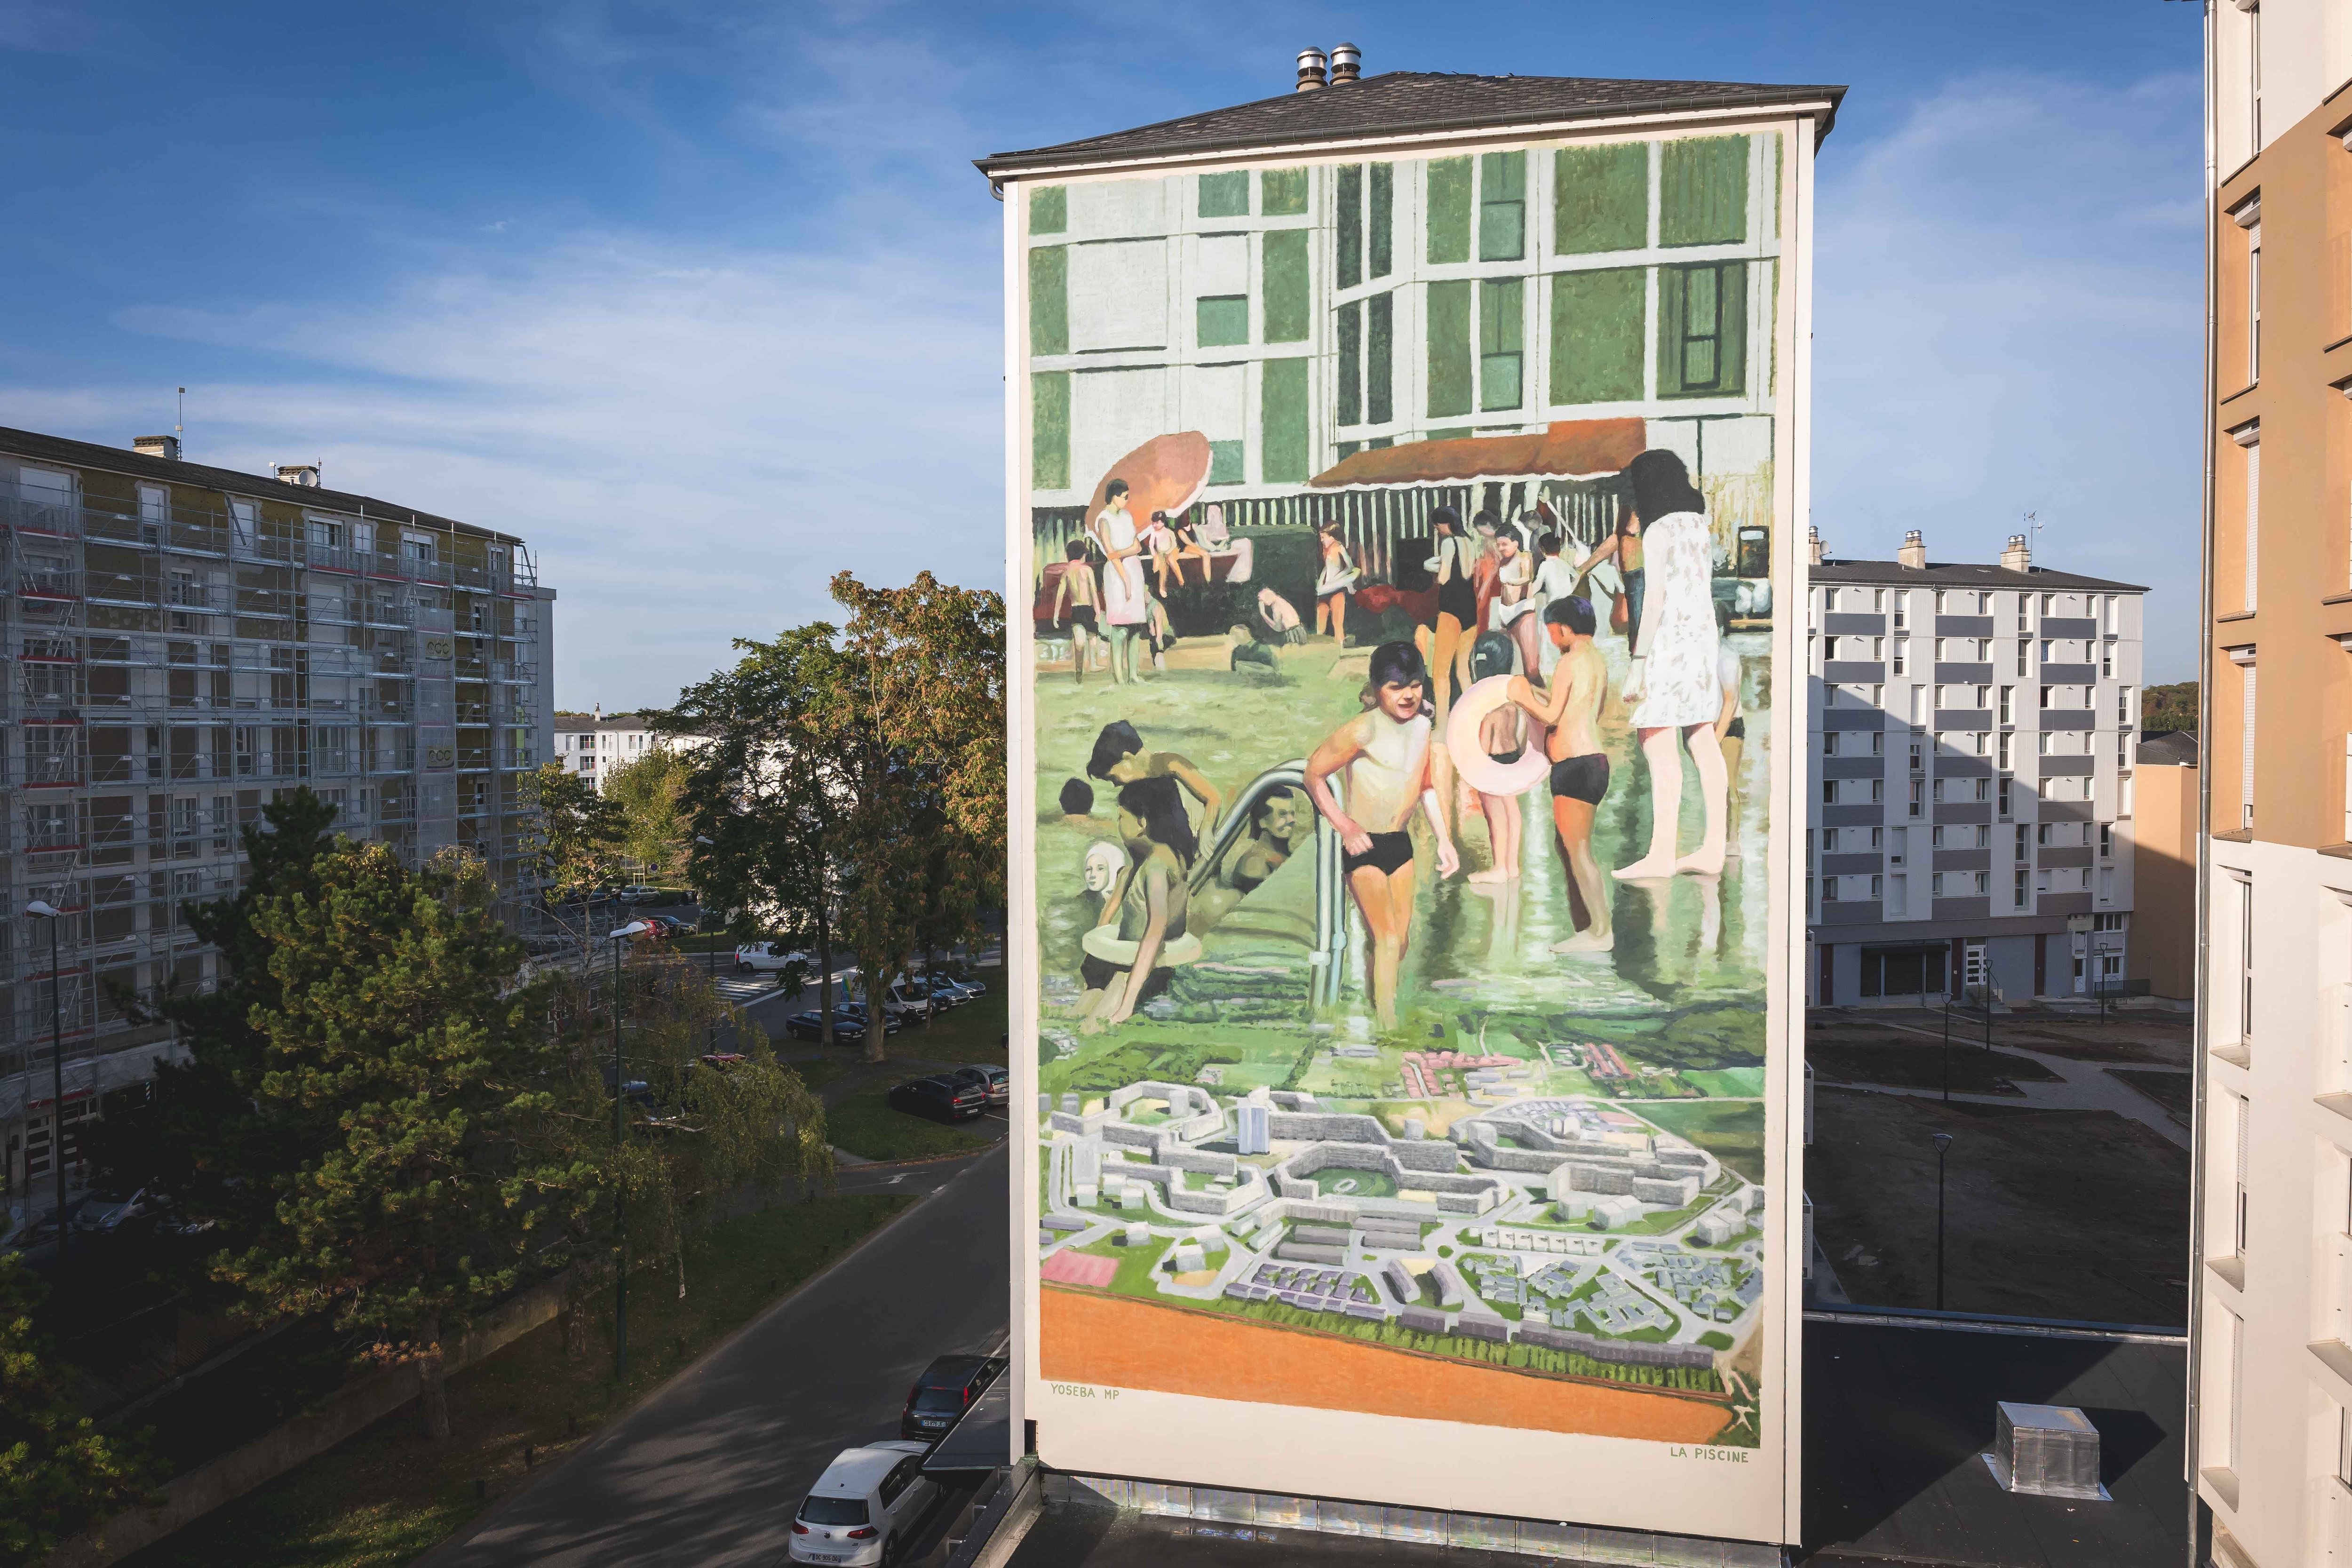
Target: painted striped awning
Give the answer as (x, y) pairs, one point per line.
(1569, 449)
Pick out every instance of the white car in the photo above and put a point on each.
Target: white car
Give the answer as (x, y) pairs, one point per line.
(864, 1508)
(767, 957)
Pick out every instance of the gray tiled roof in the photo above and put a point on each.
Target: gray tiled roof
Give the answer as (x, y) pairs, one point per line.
(230, 481)
(1404, 102)
(2169, 748)
(1961, 575)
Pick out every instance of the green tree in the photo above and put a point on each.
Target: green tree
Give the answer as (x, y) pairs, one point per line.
(582, 838)
(58, 1473)
(650, 792)
(425, 1100)
(2174, 707)
(917, 720)
(762, 797)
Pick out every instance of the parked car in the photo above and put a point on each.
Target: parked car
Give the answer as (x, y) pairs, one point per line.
(671, 925)
(941, 1095)
(866, 1507)
(639, 893)
(954, 992)
(766, 957)
(117, 1208)
(848, 1022)
(944, 1393)
(992, 1078)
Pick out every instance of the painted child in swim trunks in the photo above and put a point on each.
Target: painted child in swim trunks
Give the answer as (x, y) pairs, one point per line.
(1153, 902)
(1579, 769)
(1383, 755)
(1077, 585)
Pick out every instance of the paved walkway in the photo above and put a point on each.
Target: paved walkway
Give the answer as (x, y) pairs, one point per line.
(2083, 1085)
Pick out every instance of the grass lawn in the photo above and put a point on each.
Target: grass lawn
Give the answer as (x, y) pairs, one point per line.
(1974, 1069)
(2051, 1213)
(868, 1126)
(971, 1033)
(2172, 1090)
(389, 1494)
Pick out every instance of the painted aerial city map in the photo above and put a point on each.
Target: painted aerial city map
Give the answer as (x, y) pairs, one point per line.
(1402, 734)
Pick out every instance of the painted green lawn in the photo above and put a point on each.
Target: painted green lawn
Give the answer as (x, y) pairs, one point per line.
(1731, 1131)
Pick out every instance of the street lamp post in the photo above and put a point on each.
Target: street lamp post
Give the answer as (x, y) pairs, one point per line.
(1947, 1047)
(710, 1032)
(1943, 1143)
(620, 1180)
(40, 909)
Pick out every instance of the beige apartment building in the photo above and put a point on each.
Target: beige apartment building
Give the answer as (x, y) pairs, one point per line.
(2270, 1314)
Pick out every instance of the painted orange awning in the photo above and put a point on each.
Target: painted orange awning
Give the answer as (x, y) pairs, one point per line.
(1569, 450)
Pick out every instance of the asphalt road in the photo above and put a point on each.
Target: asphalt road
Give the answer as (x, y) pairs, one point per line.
(709, 1470)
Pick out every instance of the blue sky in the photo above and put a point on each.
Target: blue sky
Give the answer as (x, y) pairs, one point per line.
(703, 298)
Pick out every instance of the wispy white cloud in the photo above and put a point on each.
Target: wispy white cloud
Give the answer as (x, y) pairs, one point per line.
(2007, 321)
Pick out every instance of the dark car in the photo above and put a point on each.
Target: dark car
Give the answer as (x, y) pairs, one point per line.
(944, 1392)
(848, 1022)
(118, 1208)
(941, 1096)
(995, 1080)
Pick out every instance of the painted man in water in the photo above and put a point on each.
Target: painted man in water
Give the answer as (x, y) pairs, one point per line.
(1569, 706)
(1383, 756)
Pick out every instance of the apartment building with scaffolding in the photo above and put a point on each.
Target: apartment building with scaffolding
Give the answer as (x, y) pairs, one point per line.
(180, 644)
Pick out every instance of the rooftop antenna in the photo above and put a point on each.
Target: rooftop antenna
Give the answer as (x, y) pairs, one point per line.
(2033, 520)
(180, 420)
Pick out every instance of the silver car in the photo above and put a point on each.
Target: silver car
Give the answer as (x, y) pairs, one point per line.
(863, 1509)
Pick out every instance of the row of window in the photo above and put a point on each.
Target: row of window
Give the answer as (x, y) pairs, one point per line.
(1964, 836)
(1600, 202)
(2003, 791)
(1892, 891)
(2106, 608)
(1976, 743)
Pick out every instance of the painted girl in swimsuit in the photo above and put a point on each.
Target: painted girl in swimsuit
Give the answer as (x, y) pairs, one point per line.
(1384, 755)
(1153, 902)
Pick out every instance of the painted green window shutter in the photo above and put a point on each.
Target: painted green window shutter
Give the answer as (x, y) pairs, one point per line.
(1703, 330)
(1049, 209)
(1502, 206)
(1225, 463)
(1449, 348)
(1501, 332)
(1600, 198)
(1383, 223)
(1449, 210)
(1049, 430)
(1348, 214)
(1379, 335)
(1282, 193)
(1225, 195)
(1596, 335)
(1285, 263)
(1282, 422)
(1703, 191)
(1221, 320)
(1351, 362)
(1049, 300)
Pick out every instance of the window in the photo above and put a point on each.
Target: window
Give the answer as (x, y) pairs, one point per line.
(2123, 705)
(2123, 750)
(1982, 881)
(1282, 263)
(1226, 195)
(1703, 335)
(1829, 742)
(1448, 328)
(2048, 600)
(2106, 841)
(2246, 758)
(1902, 611)
(1877, 790)
(2107, 661)
(1918, 756)
(2254, 301)
(1878, 742)
(1878, 601)
(1984, 650)
(1984, 604)
(2245, 1158)
(1600, 198)
(2020, 893)
(1222, 320)
(1703, 191)
(1918, 704)
(1983, 790)
(1598, 334)
(1941, 653)
(1896, 895)
(2246, 959)
(2124, 795)
(1918, 797)
(2008, 748)
(2045, 695)
(2024, 658)
(1936, 838)
(1449, 210)
(1936, 885)
(2007, 803)
(2250, 439)
(154, 504)
(1877, 887)
(1902, 655)
(1503, 207)
(1829, 792)
(1502, 312)
(1943, 600)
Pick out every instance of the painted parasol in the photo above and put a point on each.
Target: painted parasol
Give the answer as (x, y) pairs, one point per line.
(1167, 474)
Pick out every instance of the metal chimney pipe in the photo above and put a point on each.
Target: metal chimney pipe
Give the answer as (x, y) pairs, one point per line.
(1311, 63)
(1347, 63)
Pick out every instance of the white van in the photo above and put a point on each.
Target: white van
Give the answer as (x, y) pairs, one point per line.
(767, 957)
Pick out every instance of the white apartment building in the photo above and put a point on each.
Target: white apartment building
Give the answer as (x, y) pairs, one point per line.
(1971, 731)
(593, 744)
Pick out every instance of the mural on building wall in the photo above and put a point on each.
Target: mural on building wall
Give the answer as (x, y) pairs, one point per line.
(1404, 546)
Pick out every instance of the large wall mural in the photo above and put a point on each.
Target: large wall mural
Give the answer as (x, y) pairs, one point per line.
(1405, 551)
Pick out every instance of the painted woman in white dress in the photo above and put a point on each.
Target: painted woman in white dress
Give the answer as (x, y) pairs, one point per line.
(1675, 688)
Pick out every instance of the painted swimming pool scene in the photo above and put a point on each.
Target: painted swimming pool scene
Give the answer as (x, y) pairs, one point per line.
(1402, 739)
(1486, 1094)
